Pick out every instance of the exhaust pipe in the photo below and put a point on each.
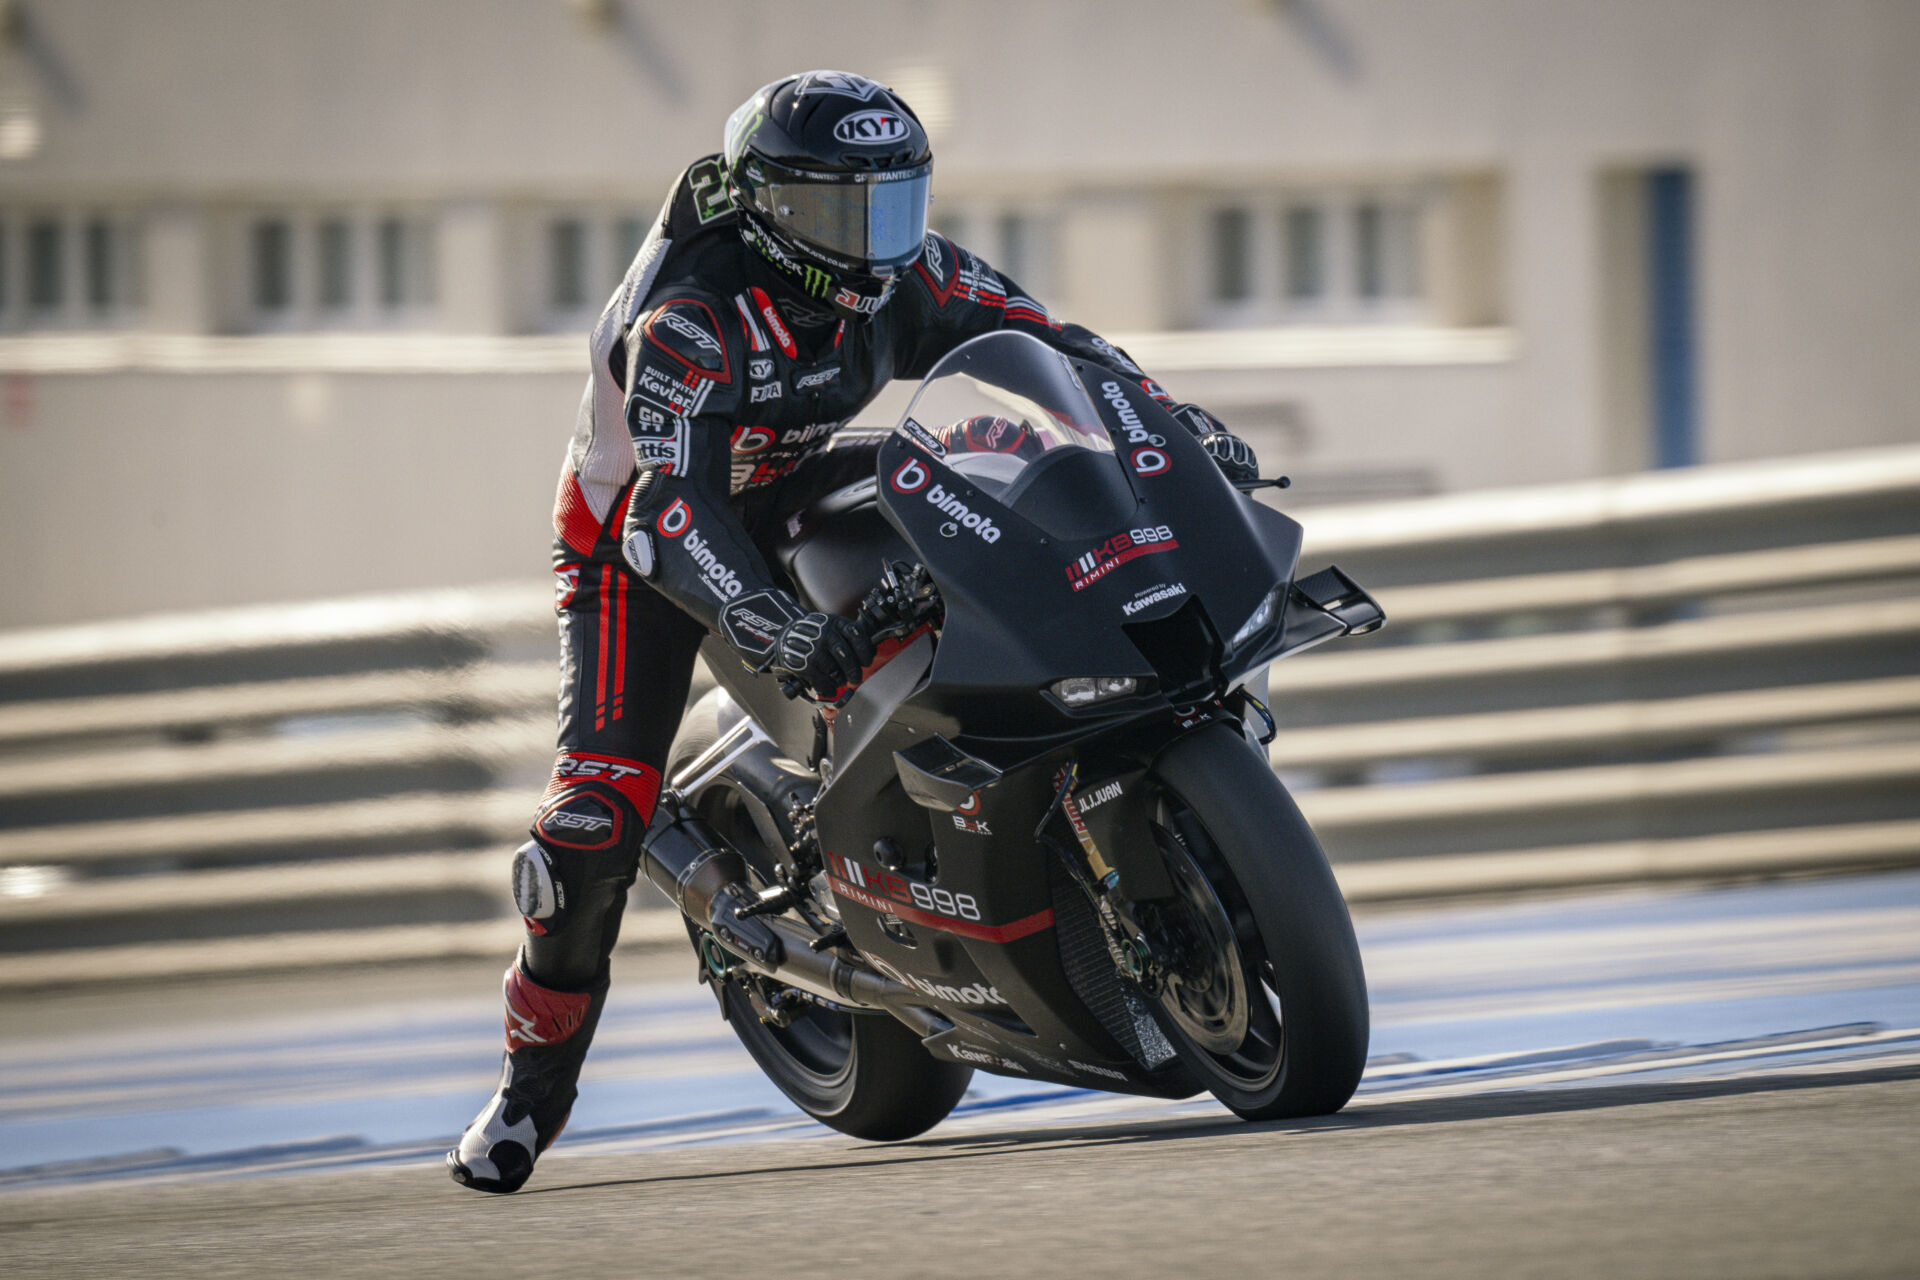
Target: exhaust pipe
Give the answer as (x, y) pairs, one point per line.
(707, 879)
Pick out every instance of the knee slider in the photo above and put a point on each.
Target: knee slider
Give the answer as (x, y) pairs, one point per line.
(584, 835)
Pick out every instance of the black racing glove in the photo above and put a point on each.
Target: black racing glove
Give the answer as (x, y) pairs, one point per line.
(825, 652)
(1230, 453)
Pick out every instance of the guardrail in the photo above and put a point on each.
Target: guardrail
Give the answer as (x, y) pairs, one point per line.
(1707, 673)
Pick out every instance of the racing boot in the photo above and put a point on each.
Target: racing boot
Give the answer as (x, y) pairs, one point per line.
(547, 1036)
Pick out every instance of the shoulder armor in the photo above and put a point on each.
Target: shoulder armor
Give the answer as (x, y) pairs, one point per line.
(938, 265)
(687, 330)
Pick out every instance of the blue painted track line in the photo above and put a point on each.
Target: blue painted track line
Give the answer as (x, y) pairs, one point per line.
(1625, 986)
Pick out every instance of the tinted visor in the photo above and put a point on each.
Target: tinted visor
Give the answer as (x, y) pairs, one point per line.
(881, 221)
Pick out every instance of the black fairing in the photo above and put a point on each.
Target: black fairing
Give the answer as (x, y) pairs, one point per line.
(1016, 965)
(1017, 619)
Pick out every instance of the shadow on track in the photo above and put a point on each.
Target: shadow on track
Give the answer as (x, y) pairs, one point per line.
(1363, 1116)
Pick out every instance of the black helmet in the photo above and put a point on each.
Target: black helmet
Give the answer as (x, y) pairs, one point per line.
(831, 175)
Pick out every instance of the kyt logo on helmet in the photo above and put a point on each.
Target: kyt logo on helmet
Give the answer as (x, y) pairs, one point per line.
(831, 175)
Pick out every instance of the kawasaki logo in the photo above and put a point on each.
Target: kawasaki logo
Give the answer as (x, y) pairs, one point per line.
(1165, 592)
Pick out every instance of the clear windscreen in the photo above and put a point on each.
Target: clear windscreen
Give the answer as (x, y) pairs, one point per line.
(1001, 406)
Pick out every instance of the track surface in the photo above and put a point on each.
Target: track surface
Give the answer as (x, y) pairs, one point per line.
(1675, 1082)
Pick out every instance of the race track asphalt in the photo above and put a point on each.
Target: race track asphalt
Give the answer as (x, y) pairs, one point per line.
(1682, 1081)
(1764, 1176)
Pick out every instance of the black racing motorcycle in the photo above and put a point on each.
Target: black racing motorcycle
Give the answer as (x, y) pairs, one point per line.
(1041, 839)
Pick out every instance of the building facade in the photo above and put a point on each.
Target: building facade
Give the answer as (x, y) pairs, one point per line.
(293, 297)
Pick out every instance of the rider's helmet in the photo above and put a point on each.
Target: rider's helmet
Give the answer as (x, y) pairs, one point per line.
(831, 174)
(990, 433)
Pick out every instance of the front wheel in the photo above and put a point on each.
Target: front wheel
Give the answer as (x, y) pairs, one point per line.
(1263, 994)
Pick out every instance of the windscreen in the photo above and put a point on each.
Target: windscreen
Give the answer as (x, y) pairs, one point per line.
(1006, 407)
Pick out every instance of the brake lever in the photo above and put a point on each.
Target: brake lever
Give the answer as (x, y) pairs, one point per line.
(1248, 486)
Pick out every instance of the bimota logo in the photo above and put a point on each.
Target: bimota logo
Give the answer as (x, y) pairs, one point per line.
(807, 434)
(977, 993)
(720, 580)
(962, 515)
(1148, 460)
(772, 317)
(911, 477)
(674, 520)
(1116, 551)
(871, 128)
(1155, 596)
(751, 439)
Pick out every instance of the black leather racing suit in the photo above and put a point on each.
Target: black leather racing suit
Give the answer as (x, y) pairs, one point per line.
(720, 384)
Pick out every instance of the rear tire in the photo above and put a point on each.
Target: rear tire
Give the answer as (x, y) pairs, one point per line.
(1278, 1027)
(861, 1073)
(864, 1074)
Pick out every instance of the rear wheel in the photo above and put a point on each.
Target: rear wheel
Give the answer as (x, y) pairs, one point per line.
(1264, 996)
(864, 1074)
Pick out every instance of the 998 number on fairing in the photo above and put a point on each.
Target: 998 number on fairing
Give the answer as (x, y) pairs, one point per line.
(885, 884)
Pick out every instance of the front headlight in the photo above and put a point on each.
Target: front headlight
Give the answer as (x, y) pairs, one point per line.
(1083, 691)
(1269, 609)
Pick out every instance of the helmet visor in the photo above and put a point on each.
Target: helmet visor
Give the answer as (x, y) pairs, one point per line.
(880, 221)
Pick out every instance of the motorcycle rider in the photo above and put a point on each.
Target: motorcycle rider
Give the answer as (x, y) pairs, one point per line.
(785, 281)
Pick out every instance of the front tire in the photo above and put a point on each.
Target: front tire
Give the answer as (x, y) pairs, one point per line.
(1269, 1009)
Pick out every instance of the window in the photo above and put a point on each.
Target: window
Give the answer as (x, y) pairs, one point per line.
(46, 263)
(272, 265)
(335, 268)
(101, 253)
(406, 263)
(1316, 257)
(1306, 253)
(336, 264)
(68, 267)
(567, 264)
(1386, 250)
(1232, 261)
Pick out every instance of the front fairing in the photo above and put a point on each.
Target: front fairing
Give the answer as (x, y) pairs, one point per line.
(1119, 552)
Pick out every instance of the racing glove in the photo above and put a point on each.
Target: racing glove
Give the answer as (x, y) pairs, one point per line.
(824, 652)
(1230, 453)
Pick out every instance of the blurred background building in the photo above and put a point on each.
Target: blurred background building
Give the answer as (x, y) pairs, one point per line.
(293, 296)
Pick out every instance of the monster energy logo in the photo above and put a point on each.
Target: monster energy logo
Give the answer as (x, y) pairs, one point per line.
(742, 123)
(816, 281)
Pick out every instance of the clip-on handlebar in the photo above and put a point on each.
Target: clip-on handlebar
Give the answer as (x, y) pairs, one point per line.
(904, 599)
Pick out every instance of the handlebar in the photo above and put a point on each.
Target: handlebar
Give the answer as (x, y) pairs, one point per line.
(904, 599)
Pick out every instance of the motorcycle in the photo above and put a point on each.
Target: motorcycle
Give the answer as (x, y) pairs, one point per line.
(1041, 839)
